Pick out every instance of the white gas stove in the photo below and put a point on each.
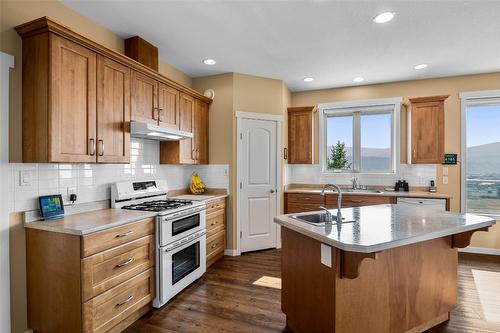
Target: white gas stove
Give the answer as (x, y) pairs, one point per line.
(180, 233)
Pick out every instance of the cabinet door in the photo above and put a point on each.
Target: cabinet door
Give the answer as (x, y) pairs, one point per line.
(187, 110)
(201, 132)
(168, 106)
(144, 98)
(113, 111)
(427, 132)
(73, 102)
(300, 137)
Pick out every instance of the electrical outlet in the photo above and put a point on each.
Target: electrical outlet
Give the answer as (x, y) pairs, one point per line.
(445, 171)
(445, 180)
(71, 190)
(25, 178)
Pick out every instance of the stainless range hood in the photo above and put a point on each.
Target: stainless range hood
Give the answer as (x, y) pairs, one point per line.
(155, 132)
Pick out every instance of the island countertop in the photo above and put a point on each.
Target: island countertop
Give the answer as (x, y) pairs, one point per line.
(380, 227)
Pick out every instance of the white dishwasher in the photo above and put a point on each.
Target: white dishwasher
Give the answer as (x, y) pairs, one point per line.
(435, 204)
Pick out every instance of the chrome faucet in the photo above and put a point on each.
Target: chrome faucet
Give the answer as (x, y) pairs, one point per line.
(339, 200)
(329, 217)
(354, 183)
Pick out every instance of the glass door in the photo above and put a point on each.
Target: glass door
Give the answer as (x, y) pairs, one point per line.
(185, 261)
(185, 224)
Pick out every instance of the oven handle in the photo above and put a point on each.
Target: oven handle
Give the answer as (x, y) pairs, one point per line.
(189, 240)
(180, 215)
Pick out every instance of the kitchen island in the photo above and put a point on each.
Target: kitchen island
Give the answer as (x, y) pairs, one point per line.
(386, 268)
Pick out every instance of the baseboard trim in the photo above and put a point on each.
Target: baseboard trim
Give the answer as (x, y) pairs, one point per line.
(230, 252)
(480, 250)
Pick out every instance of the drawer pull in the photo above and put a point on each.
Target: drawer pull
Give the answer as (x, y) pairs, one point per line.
(128, 233)
(213, 246)
(131, 297)
(354, 200)
(213, 223)
(125, 263)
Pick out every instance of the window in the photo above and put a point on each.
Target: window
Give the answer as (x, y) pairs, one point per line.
(481, 153)
(359, 137)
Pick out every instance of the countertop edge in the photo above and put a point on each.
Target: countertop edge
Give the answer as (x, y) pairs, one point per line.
(383, 246)
(72, 231)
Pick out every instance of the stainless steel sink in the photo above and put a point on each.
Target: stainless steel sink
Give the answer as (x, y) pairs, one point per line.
(317, 219)
(361, 191)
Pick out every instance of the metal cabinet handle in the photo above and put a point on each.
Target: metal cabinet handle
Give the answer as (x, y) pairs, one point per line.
(131, 297)
(197, 154)
(128, 233)
(160, 114)
(101, 149)
(125, 263)
(213, 246)
(155, 113)
(92, 147)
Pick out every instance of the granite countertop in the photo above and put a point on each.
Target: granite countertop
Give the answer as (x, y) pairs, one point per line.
(382, 192)
(380, 227)
(90, 222)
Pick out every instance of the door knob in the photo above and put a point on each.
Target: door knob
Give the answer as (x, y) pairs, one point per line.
(272, 191)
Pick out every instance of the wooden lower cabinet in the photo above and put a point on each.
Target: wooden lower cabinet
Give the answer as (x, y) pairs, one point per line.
(90, 283)
(357, 200)
(303, 202)
(216, 230)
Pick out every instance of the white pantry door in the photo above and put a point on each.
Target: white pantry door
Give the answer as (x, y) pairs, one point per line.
(258, 184)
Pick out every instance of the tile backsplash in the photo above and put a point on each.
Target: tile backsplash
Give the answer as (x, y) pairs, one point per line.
(415, 175)
(91, 182)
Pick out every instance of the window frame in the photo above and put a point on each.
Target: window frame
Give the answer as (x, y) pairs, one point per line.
(471, 98)
(357, 109)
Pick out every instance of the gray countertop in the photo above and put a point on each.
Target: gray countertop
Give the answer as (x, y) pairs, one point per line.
(381, 227)
(90, 222)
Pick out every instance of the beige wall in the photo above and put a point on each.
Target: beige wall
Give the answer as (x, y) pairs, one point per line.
(13, 13)
(443, 86)
(237, 92)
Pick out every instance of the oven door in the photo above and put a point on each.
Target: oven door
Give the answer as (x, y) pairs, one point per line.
(177, 228)
(179, 266)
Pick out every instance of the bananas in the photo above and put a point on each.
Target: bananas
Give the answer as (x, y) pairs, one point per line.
(196, 186)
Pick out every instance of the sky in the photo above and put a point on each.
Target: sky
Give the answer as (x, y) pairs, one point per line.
(375, 130)
(483, 125)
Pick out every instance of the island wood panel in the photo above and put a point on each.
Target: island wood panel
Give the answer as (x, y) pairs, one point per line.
(72, 124)
(53, 281)
(403, 289)
(113, 111)
(307, 286)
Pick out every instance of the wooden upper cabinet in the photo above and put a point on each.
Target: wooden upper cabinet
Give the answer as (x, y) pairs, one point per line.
(168, 106)
(144, 102)
(301, 135)
(187, 148)
(427, 130)
(193, 115)
(201, 132)
(113, 111)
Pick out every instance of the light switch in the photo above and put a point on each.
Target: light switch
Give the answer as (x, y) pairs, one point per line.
(445, 180)
(326, 255)
(25, 178)
(445, 171)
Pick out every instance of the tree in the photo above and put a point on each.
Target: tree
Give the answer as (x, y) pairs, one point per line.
(338, 157)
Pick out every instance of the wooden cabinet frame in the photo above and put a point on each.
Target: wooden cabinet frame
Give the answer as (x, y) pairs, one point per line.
(301, 135)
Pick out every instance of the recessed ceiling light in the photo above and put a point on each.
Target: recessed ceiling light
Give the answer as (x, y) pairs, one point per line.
(209, 61)
(421, 66)
(358, 79)
(384, 17)
(308, 79)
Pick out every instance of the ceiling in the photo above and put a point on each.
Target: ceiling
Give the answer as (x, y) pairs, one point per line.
(331, 41)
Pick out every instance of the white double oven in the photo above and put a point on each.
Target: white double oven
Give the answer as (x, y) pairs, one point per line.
(180, 234)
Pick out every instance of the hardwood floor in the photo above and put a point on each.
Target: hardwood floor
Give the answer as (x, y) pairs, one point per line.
(228, 299)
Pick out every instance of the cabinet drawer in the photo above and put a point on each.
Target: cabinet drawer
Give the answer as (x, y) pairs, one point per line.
(292, 207)
(306, 198)
(107, 269)
(215, 222)
(358, 200)
(103, 240)
(436, 204)
(107, 310)
(216, 205)
(216, 243)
